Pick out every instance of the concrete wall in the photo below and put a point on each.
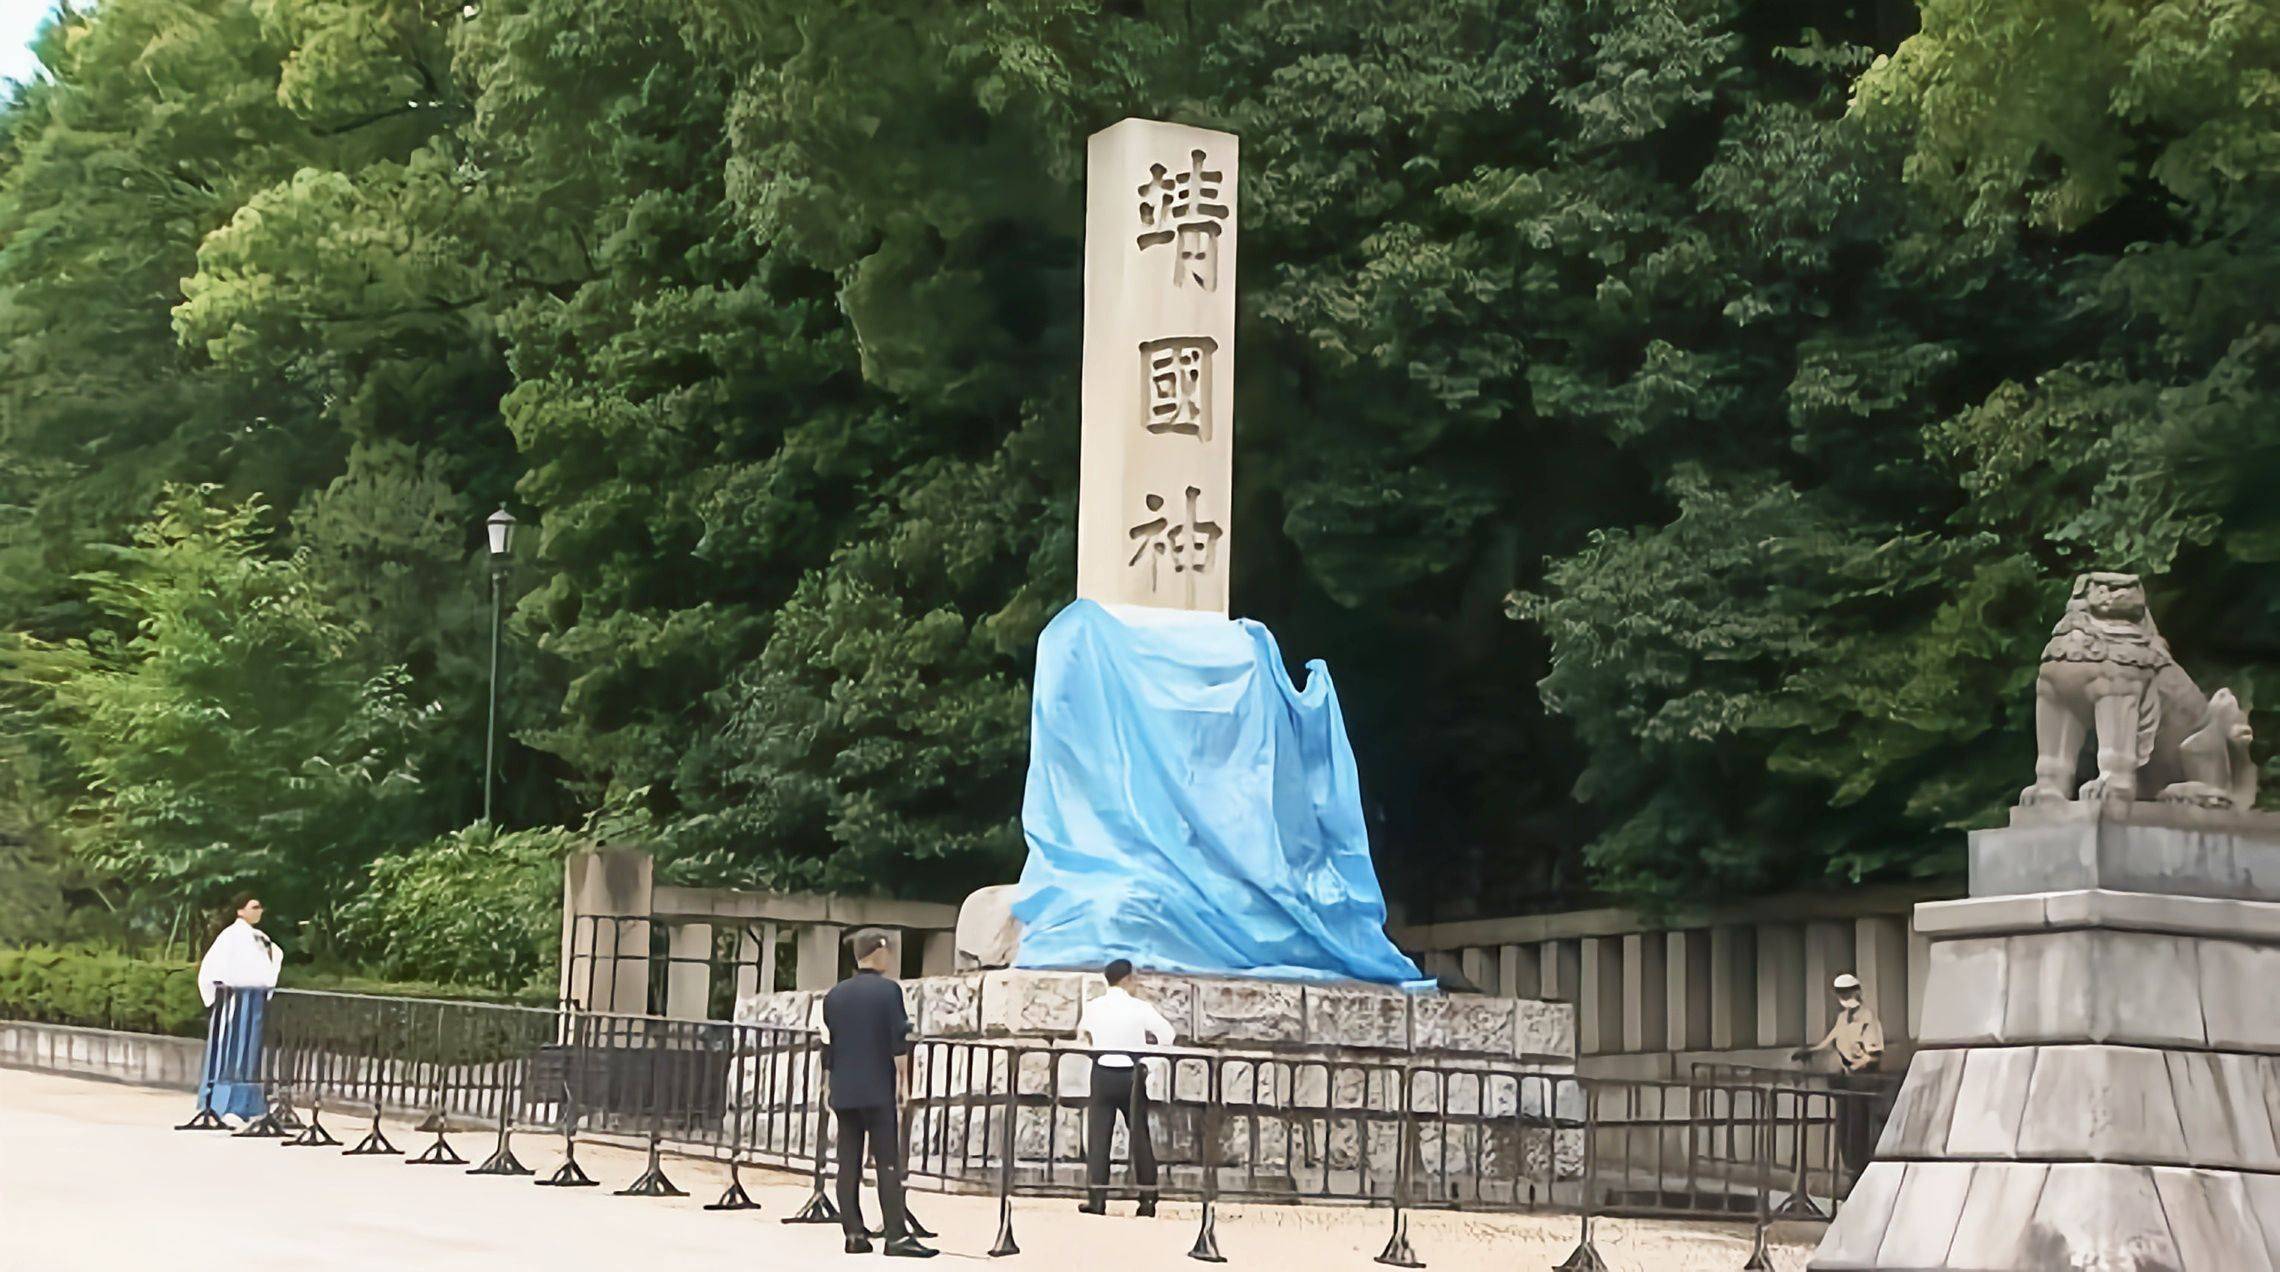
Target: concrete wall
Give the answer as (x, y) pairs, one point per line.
(143, 1059)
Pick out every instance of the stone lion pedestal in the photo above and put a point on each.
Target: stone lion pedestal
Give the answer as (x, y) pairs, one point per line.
(2098, 1084)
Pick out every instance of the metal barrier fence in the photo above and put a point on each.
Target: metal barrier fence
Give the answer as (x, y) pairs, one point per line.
(1011, 1117)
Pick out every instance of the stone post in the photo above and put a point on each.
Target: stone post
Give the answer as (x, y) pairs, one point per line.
(1645, 1010)
(1518, 975)
(1733, 987)
(1563, 971)
(819, 945)
(1686, 990)
(688, 971)
(748, 960)
(1780, 985)
(1828, 951)
(1478, 965)
(1599, 1010)
(606, 903)
(1880, 959)
(938, 954)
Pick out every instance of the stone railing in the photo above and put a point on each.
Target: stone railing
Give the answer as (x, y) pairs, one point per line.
(1733, 983)
(632, 945)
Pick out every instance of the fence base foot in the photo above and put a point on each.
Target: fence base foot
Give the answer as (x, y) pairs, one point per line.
(314, 1135)
(374, 1144)
(734, 1197)
(207, 1120)
(567, 1175)
(817, 1209)
(1005, 1247)
(652, 1183)
(1798, 1205)
(1397, 1252)
(264, 1127)
(1761, 1259)
(501, 1162)
(439, 1153)
(1585, 1259)
(285, 1116)
(1206, 1248)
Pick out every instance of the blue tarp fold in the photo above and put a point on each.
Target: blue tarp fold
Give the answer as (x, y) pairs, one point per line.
(1190, 809)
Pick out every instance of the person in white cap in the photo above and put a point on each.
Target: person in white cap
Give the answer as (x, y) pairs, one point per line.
(1858, 1041)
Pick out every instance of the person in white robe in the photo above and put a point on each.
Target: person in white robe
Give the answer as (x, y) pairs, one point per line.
(235, 977)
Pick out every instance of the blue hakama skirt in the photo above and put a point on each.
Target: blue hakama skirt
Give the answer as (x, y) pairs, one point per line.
(231, 1081)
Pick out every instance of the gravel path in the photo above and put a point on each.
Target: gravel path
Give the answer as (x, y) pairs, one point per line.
(91, 1178)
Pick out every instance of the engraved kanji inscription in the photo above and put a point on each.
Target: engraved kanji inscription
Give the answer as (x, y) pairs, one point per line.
(1186, 545)
(1184, 211)
(1175, 385)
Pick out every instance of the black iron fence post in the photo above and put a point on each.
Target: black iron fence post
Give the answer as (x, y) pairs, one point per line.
(1010, 1144)
(377, 1073)
(818, 1207)
(743, 1050)
(575, 1028)
(1586, 1256)
(443, 1052)
(205, 1119)
(1799, 1204)
(655, 1034)
(1761, 1258)
(1206, 1248)
(1397, 1252)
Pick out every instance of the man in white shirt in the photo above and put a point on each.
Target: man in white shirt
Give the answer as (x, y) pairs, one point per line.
(1116, 1024)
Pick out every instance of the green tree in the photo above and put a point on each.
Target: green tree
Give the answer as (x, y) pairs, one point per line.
(234, 738)
(2138, 148)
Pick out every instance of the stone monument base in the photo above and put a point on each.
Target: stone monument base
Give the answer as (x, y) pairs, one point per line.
(1367, 1021)
(1300, 1070)
(2097, 1083)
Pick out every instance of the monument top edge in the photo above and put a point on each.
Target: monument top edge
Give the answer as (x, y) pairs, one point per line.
(1136, 123)
(2148, 813)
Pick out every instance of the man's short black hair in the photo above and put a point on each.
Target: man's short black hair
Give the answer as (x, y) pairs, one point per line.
(865, 940)
(1117, 970)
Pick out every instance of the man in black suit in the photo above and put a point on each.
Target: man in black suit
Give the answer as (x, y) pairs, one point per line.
(868, 1054)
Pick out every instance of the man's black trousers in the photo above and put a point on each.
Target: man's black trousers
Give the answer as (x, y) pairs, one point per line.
(1115, 1094)
(878, 1125)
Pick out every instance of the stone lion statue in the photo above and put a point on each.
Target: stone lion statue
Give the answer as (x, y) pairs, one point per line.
(2107, 674)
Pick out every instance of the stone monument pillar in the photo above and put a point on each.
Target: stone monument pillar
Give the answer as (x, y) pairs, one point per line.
(2098, 1080)
(1158, 452)
(1159, 369)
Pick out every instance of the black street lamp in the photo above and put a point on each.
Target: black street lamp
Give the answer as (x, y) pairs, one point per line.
(501, 529)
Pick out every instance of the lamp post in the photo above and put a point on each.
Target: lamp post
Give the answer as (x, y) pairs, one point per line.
(500, 527)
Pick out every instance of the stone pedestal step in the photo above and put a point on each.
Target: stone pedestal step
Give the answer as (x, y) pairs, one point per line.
(1916, 1216)
(2135, 1105)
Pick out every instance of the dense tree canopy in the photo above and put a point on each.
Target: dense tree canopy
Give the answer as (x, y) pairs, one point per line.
(1675, 420)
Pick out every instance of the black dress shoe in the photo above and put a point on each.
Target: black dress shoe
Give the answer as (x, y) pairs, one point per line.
(908, 1248)
(1147, 1210)
(1093, 1208)
(858, 1245)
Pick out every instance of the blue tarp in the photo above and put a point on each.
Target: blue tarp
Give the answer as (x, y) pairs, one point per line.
(1190, 809)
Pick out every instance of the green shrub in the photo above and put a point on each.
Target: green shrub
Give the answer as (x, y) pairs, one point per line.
(475, 907)
(103, 989)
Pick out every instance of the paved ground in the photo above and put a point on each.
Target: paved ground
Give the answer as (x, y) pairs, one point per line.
(91, 1178)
